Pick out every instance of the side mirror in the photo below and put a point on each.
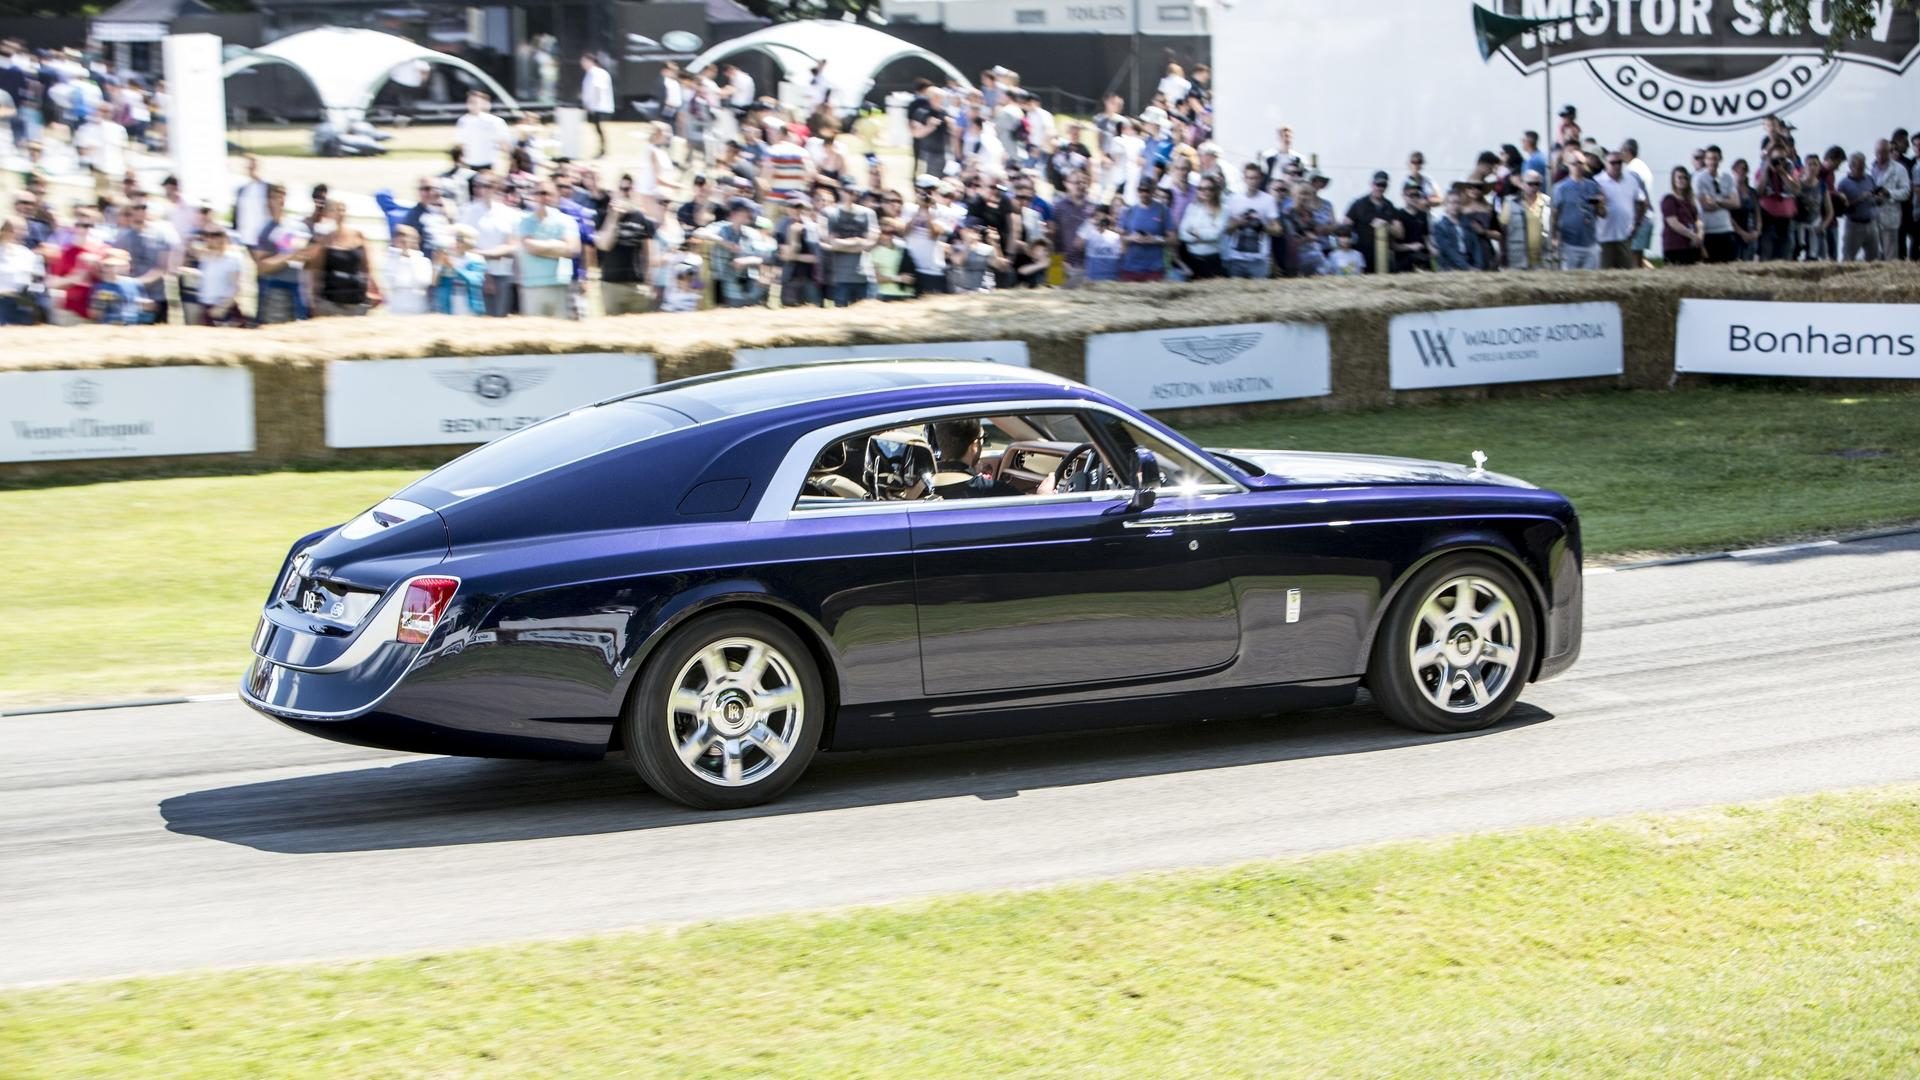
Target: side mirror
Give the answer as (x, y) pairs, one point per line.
(1146, 478)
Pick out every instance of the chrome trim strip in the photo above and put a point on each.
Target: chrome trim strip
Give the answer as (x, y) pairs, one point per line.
(380, 627)
(1178, 521)
(777, 499)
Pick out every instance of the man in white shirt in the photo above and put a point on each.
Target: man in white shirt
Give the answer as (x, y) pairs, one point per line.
(739, 89)
(101, 146)
(1253, 219)
(596, 96)
(497, 237)
(1627, 204)
(250, 204)
(1892, 178)
(1714, 191)
(482, 135)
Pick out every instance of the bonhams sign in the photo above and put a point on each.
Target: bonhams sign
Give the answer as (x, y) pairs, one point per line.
(1705, 63)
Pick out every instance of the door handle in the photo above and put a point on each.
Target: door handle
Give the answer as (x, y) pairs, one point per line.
(1179, 521)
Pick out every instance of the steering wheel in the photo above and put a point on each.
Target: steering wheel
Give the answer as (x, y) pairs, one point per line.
(1070, 475)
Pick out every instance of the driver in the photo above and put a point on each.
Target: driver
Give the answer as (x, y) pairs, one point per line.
(959, 476)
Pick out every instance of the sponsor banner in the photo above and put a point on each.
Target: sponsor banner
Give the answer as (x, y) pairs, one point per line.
(1212, 365)
(125, 412)
(1004, 352)
(1477, 346)
(1764, 337)
(468, 399)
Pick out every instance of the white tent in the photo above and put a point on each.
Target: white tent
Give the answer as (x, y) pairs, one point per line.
(855, 54)
(347, 67)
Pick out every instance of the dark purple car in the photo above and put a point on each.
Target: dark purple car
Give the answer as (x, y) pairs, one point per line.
(723, 575)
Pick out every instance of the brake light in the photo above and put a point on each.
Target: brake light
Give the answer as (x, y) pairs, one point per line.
(420, 610)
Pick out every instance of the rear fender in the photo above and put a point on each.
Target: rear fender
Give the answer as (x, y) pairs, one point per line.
(727, 592)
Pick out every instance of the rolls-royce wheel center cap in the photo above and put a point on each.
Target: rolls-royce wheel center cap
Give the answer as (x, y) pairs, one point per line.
(1466, 642)
(732, 712)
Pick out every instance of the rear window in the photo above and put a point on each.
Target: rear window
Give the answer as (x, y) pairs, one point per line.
(569, 437)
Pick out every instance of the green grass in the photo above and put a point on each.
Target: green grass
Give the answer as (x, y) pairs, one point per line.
(1763, 941)
(1658, 472)
(115, 590)
(110, 591)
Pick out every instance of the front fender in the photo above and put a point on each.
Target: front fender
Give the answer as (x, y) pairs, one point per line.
(1533, 558)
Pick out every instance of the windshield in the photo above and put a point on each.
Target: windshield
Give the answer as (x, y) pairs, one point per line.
(572, 436)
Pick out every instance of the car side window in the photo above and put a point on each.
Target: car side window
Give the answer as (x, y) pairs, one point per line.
(950, 457)
(1178, 469)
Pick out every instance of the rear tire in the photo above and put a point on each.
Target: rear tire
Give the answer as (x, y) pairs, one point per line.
(728, 712)
(1456, 646)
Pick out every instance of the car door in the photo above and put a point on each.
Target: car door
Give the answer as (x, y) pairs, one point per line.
(1068, 589)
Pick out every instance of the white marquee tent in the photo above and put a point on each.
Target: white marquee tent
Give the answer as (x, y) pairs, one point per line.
(855, 54)
(347, 67)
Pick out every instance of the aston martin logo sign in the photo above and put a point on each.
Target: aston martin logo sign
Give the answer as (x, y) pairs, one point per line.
(1210, 348)
(1704, 63)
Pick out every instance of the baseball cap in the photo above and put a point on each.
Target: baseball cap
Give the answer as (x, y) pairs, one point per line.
(926, 182)
(1381, 177)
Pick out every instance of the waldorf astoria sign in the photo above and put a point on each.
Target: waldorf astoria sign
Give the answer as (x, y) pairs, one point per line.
(1704, 63)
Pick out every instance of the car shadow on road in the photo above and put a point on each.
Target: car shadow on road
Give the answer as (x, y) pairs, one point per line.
(441, 802)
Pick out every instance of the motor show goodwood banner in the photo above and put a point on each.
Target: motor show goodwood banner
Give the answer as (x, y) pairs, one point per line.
(1477, 346)
(468, 399)
(1759, 337)
(125, 412)
(1212, 365)
(1674, 74)
(1005, 352)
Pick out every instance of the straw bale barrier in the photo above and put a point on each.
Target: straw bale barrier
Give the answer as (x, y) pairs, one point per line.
(289, 362)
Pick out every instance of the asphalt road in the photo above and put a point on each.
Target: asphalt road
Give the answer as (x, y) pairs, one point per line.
(156, 839)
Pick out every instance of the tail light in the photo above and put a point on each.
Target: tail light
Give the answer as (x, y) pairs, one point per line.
(420, 609)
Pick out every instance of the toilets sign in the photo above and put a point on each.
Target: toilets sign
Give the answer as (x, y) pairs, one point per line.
(1705, 64)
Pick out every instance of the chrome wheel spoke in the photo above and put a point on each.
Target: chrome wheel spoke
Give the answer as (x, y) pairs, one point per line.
(731, 751)
(1479, 687)
(772, 701)
(714, 663)
(1436, 617)
(684, 700)
(1426, 656)
(771, 744)
(1442, 690)
(1464, 604)
(1504, 655)
(694, 746)
(1489, 618)
(754, 667)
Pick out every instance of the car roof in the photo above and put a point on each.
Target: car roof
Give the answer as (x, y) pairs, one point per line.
(731, 393)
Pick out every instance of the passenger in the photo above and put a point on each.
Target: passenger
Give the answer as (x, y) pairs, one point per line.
(959, 476)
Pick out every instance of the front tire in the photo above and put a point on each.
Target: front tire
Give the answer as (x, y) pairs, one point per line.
(1455, 649)
(728, 712)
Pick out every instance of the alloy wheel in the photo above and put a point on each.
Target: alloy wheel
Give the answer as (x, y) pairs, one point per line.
(735, 711)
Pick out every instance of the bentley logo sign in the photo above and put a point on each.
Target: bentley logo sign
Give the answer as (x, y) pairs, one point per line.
(492, 386)
(1210, 348)
(1704, 63)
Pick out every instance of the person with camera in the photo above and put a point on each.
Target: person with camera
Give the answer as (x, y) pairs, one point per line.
(1779, 201)
(1859, 198)
(1894, 183)
(625, 242)
(1253, 220)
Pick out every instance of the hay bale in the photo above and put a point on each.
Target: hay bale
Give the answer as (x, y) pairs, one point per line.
(289, 361)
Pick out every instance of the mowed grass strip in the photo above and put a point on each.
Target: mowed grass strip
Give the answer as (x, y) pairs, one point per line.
(145, 587)
(1762, 941)
(119, 590)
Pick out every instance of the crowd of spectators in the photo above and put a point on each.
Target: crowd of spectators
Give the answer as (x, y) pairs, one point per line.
(738, 201)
